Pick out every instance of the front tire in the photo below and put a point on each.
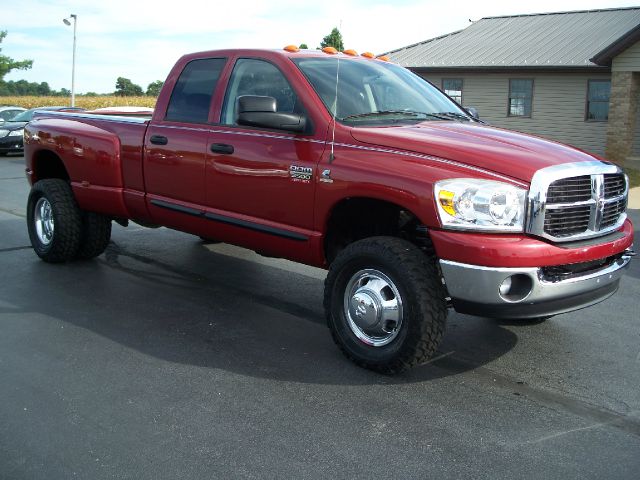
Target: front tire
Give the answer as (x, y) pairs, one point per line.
(54, 221)
(385, 304)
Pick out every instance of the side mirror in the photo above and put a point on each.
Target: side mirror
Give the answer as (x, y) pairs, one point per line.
(258, 111)
(473, 112)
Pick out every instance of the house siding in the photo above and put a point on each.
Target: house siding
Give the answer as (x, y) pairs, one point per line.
(635, 152)
(558, 110)
(628, 60)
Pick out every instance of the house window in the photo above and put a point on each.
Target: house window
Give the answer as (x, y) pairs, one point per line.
(598, 93)
(520, 97)
(453, 88)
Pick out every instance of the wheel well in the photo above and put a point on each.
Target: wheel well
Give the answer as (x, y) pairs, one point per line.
(356, 218)
(47, 164)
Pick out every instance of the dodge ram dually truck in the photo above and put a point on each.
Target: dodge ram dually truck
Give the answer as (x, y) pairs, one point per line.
(350, 163)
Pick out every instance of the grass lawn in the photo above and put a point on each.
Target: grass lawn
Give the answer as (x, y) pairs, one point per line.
(634, 177)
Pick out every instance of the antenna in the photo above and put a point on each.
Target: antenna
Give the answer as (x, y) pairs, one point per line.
(335, 110)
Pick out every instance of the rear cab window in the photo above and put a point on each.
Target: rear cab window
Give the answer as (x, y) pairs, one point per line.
(191, 97)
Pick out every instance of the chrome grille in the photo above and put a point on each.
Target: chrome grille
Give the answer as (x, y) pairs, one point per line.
(614, 185)
(612, 212)
(570, 190)
(575, 201)
(563, 222)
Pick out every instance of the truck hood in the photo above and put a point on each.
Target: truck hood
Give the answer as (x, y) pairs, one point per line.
(502, 151)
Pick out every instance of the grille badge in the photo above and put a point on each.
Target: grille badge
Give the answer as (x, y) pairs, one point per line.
(597, 192)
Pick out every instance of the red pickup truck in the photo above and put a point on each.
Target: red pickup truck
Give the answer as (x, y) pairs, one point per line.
(349, 163)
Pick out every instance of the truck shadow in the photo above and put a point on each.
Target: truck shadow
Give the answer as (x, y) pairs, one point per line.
(175, 300)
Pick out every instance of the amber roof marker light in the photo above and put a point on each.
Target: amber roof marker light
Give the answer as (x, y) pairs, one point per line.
(367, 55)
(350, 52)
(330, 50)
(292, 49)
(384, 58)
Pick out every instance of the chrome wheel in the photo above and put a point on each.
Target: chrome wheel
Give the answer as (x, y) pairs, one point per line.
(373, 307)
(43, 220)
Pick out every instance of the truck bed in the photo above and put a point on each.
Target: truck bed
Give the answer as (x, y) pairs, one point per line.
(103, 157)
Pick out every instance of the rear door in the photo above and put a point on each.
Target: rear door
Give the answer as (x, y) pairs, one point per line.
(176, 148)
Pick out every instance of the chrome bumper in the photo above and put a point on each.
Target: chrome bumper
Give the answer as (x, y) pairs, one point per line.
(477, 290)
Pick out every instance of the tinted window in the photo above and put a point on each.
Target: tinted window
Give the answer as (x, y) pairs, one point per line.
(367, 88)
(24, 116)
(191, 96)
(9, 114)
(598, 99)
(520, 97)
(257, 77)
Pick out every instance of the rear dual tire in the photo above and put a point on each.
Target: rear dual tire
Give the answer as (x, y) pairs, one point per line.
(59, 231)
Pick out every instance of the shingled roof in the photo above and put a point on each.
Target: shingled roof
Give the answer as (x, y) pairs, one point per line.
(545, 40)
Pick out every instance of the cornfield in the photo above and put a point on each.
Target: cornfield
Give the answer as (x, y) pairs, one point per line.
(89, 103)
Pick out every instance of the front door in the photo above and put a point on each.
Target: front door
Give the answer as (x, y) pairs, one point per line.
(265, 178)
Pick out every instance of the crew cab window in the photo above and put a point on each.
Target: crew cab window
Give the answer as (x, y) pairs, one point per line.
(191, 97)
(257, 77)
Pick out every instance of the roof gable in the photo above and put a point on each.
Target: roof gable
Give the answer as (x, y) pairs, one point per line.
(563, 39)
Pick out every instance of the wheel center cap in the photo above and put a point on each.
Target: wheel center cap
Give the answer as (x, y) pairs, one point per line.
(364, 309)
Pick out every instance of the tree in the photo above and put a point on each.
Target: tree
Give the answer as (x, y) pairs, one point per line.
(22, 87)
(43, 89)
(303, 46)
(153, 90)
(126, 88)
(334, 39)
(7, 64)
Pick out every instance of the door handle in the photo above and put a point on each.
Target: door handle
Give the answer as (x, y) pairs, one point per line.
(159, 140)
(222, 148)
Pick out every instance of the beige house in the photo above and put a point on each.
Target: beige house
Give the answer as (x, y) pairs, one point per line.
(568, 76)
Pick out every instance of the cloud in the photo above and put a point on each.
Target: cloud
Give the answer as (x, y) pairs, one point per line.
(142, 39)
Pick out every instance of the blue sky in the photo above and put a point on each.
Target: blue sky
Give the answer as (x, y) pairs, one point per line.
(141, 39)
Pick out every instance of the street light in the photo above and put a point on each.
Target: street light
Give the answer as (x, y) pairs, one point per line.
(73, 64)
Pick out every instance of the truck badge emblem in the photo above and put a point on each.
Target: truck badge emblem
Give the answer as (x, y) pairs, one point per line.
(326, 176)
(300, 174)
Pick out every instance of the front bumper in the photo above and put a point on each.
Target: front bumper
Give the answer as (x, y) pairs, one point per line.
(531, 292)
(10, 144)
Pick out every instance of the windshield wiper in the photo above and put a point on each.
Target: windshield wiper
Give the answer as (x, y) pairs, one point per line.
(381, 112)
(450, 115)
(409, 113)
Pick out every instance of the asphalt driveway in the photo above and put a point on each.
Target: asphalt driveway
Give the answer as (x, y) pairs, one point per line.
(170, 358)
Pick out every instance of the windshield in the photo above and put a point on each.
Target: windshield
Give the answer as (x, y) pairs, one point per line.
(376, 93)
(23, 117)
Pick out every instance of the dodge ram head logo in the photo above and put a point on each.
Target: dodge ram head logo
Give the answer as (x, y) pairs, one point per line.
(300, 174)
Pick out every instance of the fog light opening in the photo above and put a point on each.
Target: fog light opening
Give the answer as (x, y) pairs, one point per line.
(515, 288)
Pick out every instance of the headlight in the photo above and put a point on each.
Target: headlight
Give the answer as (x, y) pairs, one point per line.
(16, 133)
(471, 204)
(4, 133)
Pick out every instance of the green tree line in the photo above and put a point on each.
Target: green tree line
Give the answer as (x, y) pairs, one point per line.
(22, 87)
